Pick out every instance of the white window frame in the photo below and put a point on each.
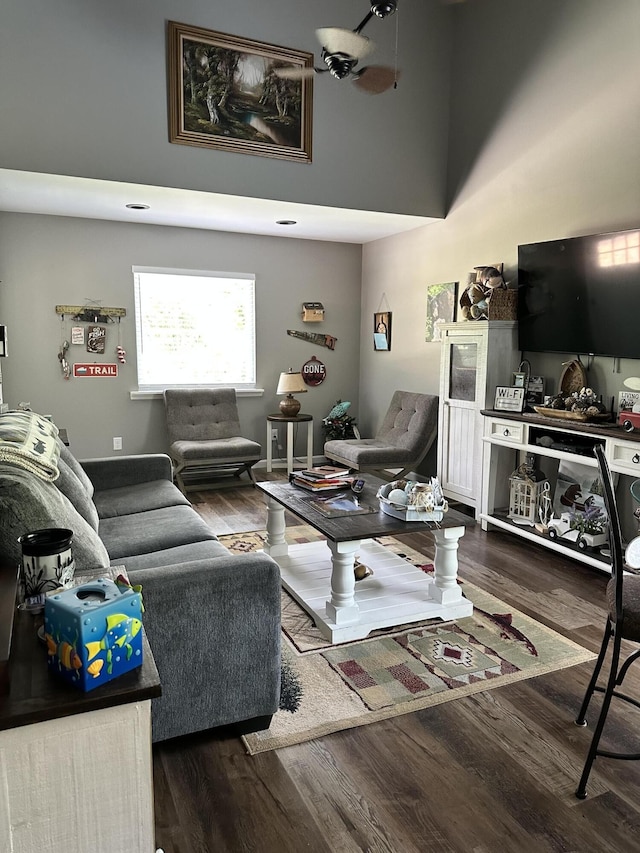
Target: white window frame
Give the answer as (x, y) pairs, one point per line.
(146, 387)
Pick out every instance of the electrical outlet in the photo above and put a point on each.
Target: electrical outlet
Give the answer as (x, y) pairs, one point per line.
(117, 443)
(274, 434)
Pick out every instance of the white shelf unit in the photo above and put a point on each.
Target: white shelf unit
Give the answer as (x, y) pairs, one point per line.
(508, 438)
(475, 357)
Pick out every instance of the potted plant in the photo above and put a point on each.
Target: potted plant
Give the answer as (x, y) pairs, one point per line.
(338, 424)
(591, 525)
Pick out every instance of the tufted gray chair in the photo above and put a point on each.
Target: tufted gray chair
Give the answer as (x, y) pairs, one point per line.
(408, 430)
(204, 434)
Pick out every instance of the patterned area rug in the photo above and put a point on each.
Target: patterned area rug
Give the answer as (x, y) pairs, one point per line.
(405, 668)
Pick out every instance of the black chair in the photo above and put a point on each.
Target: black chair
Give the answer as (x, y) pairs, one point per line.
(623, 623)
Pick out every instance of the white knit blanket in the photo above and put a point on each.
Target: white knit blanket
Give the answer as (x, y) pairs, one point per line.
(30, 441)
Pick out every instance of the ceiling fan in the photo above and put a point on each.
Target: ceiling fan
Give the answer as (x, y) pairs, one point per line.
(343, 49)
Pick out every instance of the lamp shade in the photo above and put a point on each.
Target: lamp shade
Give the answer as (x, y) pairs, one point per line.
(291, 383)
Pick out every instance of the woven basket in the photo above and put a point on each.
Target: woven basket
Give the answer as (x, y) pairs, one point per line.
(503, 304)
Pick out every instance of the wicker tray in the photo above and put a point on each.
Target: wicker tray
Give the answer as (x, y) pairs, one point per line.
(570, 416)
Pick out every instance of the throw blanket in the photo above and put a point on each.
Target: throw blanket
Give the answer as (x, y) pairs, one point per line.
(30, 441)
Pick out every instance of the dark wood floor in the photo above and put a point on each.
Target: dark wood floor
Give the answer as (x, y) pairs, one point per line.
(492, 772)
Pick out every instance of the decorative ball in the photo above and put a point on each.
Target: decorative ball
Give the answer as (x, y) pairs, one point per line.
(397, 496)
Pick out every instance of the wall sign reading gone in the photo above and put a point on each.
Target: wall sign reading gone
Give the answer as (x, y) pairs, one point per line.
(313, 371)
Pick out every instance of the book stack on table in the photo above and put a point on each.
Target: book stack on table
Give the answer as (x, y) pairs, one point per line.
(322, 479)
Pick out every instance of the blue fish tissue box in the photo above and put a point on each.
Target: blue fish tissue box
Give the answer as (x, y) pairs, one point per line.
(93, 632)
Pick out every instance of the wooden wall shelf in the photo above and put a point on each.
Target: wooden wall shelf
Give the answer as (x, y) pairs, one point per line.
(91, 313)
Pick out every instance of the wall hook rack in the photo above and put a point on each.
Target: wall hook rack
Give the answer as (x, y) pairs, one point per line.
(91, 314)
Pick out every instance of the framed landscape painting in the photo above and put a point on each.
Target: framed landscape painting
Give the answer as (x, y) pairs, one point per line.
(224, 93)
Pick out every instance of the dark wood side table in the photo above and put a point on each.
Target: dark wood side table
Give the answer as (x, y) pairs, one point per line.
(54, 738)
(279, 418)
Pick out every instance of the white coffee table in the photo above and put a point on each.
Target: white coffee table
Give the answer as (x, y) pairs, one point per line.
(320, 575)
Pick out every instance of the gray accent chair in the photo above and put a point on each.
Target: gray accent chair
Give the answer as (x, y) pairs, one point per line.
(204, 435)
(407, 433)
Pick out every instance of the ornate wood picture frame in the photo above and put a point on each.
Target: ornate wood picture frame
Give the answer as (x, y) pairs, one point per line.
(223, 94)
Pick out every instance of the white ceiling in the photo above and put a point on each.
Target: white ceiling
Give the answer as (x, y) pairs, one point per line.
(62, 195)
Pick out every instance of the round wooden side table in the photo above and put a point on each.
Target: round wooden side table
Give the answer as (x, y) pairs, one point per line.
(279, 418)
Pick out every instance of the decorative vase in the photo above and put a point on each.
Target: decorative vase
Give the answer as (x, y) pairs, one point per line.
(47, 560)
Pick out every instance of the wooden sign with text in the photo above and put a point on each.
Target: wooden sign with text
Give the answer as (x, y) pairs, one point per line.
(83, 369)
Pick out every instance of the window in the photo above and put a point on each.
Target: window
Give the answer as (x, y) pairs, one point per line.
(623, 249)
(194, 328)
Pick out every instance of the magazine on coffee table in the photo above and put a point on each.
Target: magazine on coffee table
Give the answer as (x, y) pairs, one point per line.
(335, 506)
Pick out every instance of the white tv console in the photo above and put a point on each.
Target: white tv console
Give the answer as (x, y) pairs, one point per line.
(508, 437)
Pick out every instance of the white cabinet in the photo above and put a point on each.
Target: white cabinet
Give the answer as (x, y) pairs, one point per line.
(475, 357)
(508, 438)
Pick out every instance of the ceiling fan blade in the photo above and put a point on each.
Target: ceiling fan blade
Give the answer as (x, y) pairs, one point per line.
(297, 72)
(375, 79)
(337, 40)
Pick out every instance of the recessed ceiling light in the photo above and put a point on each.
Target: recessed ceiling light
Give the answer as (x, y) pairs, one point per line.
(137, 206)
(286, 222)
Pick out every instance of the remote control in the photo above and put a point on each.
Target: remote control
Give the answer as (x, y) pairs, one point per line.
(357, 486)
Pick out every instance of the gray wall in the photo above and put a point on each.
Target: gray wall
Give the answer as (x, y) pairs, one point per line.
(544, 145)
(83, 91)
(49, 260)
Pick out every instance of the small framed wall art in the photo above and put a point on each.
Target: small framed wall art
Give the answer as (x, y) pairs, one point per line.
(509, 399)
(96, 336)
(382, 330)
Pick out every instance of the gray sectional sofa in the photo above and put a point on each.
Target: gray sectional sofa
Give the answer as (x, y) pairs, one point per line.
(212, 618)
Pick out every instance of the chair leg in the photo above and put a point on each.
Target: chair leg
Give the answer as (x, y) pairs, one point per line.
(580, 719)
(623, 669)
(177, 474)
(581, 790)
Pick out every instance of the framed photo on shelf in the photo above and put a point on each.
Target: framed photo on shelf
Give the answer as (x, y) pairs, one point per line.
(441, 308)
(509, 399)
(576, 486)
(225, 93)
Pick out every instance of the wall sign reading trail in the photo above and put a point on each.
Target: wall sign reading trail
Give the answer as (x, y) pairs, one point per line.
(83, 369)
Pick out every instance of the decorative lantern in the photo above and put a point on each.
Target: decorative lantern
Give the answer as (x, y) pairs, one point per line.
(527, 484)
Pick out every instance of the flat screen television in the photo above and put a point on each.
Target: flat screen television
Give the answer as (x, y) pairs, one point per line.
(581, 295)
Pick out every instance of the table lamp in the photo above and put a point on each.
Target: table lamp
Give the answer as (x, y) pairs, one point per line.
(290, 383)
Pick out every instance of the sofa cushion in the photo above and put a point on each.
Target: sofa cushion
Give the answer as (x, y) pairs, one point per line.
(67, 456)
(29, 503)
(173, 556)
(156, 530)
(139, 498)
(74, 491)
